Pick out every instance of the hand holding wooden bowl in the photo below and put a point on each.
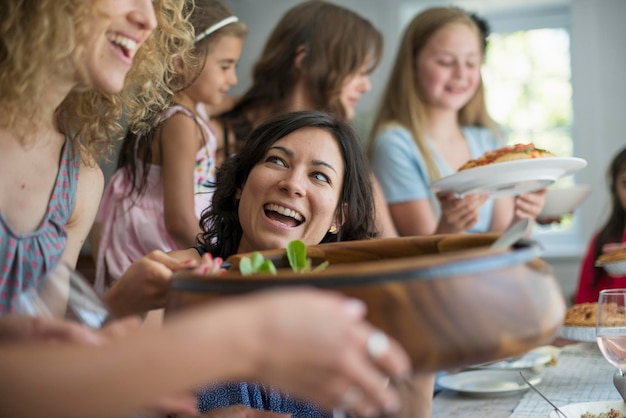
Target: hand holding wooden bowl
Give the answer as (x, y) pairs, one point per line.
(450, 300)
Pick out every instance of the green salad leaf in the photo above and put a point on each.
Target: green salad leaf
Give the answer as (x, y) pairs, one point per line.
(296, 254)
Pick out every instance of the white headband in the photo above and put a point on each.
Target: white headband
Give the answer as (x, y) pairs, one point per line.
(215, 27)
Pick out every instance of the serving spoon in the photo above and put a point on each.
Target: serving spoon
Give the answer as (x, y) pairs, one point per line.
(530, 385)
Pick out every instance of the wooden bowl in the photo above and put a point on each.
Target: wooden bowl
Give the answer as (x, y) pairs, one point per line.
(451, 301)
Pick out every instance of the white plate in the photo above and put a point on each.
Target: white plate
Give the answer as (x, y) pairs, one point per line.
(487, 383)
(563, 200)
(575, 410)
(585, 334)
(534, 359)
(510, 177)
(614, 268)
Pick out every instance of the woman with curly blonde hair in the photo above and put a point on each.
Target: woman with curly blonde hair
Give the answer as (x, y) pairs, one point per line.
(63, 87)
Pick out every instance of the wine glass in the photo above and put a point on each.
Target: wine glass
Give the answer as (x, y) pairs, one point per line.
(611, 327)
(63, 293)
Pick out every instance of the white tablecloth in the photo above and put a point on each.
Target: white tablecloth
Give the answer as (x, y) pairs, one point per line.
(581, 375)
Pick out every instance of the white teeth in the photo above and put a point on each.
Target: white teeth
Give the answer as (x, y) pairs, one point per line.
(128, 44)
(284, 211)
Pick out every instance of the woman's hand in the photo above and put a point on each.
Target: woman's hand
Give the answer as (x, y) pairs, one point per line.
(458, 215)
(209, 265)
(143, 287)
(317, 346)
(613, 246)
(529, 205)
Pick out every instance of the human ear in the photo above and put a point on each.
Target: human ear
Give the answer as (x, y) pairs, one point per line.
(340, 218)
(301, 53)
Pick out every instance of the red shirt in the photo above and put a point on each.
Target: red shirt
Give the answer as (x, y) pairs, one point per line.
(587, 290)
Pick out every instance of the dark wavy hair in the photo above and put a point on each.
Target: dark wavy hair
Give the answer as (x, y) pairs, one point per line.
(613, 229)
(220, 222)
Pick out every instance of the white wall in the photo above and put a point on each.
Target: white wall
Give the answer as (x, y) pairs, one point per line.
(598, 34)
(598, 50)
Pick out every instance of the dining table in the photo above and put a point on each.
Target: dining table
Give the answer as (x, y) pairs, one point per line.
(580, 374)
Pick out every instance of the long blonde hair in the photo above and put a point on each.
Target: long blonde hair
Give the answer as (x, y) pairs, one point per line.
(402, 103)
(39, 38)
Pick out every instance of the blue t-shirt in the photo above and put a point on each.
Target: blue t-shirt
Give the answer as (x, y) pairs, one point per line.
(401, 171)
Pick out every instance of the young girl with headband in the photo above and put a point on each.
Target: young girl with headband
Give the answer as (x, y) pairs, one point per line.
(164, 173)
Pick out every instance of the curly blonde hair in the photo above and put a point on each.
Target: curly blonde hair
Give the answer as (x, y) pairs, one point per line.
(51, 30)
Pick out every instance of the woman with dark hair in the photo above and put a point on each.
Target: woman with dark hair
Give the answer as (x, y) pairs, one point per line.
(303, 67)
(352, 217)
(300, 176)
(612, 236)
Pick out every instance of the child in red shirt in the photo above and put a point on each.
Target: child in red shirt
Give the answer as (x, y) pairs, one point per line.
(611, 237)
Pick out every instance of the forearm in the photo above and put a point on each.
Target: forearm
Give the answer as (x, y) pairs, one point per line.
(184, 231)
(124, 376)
(413, 218)
(384, 222)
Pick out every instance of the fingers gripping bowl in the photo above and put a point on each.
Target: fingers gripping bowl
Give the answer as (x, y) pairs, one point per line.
(451, 301)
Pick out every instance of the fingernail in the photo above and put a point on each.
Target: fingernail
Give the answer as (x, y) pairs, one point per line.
(205, 269)
(189, 262)
(355, 308)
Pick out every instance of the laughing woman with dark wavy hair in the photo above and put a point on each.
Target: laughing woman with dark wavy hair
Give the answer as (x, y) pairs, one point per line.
(300, 176)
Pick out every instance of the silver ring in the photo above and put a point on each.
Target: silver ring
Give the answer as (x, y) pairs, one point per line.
(377, 344)
(350, 397)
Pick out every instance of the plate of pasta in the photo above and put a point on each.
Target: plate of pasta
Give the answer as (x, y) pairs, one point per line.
(508, 171)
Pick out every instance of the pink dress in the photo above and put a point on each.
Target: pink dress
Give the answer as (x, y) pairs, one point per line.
(133, 226)
(27, 258)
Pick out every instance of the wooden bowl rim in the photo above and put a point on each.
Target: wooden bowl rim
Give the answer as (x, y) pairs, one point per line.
(430, 267)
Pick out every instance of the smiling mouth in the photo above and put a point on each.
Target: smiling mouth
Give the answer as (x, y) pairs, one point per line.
(456, 90)
(126, 45)
(283, 215)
